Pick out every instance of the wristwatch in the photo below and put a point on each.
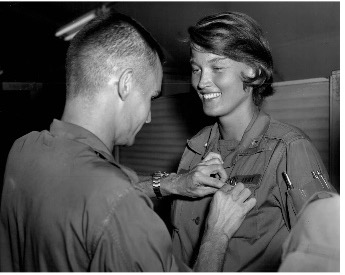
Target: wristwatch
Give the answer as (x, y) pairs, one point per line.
(156, 182)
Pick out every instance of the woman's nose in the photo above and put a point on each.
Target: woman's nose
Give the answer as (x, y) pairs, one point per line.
(204, 81)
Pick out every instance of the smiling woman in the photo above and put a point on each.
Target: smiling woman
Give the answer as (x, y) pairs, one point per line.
(232, 71)
(219, 83)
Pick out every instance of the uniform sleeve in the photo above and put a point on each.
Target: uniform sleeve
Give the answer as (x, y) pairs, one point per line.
(134, 239)
(300, 162)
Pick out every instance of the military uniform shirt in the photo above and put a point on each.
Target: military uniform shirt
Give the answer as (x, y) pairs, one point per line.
(267, 149)
(68, 206)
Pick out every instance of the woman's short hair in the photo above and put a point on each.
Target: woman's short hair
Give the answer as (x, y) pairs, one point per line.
(112, 41)
(240, 38)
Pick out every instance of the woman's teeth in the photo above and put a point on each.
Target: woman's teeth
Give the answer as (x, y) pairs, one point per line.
(211, 95)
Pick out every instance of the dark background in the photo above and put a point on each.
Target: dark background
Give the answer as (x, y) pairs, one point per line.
(304, 36)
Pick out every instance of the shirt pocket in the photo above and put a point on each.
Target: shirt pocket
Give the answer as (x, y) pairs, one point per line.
(249, 227)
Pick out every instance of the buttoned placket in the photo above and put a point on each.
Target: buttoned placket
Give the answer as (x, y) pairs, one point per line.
(250, 143)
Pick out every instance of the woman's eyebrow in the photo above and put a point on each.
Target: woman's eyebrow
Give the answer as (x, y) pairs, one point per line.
(211, 61)
(216, 59)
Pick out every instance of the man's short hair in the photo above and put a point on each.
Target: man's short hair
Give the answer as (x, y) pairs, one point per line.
(110, 42)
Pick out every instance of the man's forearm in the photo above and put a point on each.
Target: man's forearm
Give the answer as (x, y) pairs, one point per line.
(145, 184)
(167, 185)
(211, 254)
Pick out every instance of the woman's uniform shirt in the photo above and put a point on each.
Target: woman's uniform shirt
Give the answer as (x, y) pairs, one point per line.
(267, 149)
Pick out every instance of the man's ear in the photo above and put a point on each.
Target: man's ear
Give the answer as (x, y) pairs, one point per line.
(125, 83)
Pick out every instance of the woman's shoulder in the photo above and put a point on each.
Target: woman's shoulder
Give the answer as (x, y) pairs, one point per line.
(284, 131)
(205, 131)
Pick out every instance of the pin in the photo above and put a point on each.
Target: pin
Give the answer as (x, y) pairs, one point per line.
(232, 181)
(323, 179)
(315, 176)
(287, 180)
(254, 142)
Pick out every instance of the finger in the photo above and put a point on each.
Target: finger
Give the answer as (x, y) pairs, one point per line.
(203, 191)
(213, 155)
(245, 194)
(227, 188)
(237, 190)
(215, 169)
(249, 204)
(223, 175)
(211, 182)
(212, 162)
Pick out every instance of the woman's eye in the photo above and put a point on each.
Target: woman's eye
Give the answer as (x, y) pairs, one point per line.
(195, 70)
(217, 69)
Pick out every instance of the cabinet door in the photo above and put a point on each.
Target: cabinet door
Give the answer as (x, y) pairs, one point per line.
(335, 129)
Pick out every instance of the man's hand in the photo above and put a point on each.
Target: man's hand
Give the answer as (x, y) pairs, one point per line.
(204, 179)
(212, 155)
(228, 209)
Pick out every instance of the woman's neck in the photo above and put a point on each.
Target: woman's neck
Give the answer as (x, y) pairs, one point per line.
(234, 125)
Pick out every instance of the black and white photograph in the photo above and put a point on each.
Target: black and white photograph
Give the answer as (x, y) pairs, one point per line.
(170, 136)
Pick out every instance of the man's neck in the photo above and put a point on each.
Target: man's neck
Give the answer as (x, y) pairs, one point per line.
(89, 121)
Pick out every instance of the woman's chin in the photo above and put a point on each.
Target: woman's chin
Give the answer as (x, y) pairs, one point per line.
(211, 112)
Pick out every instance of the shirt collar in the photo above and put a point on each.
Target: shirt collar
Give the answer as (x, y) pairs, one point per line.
(78, 133)
(204, 142)
(254, 132)
(204, 139)
(72, 131)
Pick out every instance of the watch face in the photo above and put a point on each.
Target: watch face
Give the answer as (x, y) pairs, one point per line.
(156, 179)
(157, 176)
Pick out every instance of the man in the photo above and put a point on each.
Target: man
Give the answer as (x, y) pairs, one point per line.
(66, 204)
(313, 244)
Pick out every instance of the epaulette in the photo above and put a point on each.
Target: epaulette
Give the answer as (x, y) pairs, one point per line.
(202, 131)
(285, 132)
(198, 142)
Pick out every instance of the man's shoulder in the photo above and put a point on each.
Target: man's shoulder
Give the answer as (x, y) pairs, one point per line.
(76, 165)
(27, 138)
(98, 173)
(26, 146)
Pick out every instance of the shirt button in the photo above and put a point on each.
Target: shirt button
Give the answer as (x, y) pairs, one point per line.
(197, 220)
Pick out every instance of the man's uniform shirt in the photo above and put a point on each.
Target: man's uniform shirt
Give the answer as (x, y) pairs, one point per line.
(313, 244)
(68, 206)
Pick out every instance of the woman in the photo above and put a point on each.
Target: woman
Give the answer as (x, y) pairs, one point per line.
(232, 71)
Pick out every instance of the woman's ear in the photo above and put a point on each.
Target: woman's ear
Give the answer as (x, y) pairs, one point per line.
(125, 84)
(251, 72)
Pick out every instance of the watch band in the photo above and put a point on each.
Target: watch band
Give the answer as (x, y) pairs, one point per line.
(156, 182)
